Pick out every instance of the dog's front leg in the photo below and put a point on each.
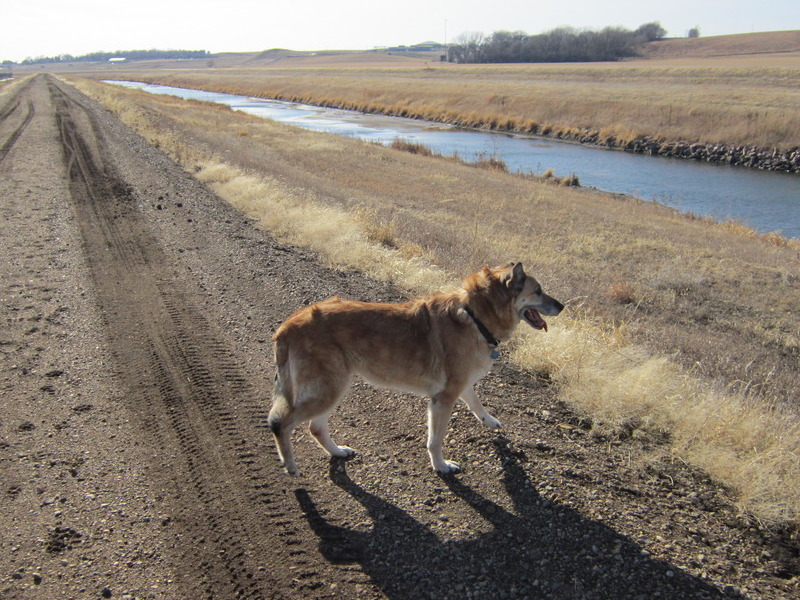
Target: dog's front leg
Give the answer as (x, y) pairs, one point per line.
(473, 402)
(439, 410)
(319, 429)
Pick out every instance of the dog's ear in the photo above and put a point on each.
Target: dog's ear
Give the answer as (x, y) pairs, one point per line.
(516, 279)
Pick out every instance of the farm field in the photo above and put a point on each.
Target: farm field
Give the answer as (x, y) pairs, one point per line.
(655, 425)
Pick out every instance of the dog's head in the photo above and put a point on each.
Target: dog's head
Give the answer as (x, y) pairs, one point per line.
(504, 296)
(530, 302)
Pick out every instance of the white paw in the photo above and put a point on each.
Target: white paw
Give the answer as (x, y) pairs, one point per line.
(448, 467)
(490, 422)
(343, 452)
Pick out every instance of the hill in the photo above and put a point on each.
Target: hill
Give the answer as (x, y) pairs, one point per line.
(739, 45)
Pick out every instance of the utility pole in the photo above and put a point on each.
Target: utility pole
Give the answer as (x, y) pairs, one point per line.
(446, 49)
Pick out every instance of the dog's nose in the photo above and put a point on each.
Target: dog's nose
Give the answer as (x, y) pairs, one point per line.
(555, 307)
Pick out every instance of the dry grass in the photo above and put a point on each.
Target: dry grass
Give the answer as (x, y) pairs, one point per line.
(346, 240)
(9, 85)
(778, 44)
(626, 390)
(702, 345)
(481, 161)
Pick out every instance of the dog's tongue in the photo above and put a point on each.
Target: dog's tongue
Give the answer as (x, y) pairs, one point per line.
(535, 319)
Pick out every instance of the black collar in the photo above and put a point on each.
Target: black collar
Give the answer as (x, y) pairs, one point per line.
(493, 341)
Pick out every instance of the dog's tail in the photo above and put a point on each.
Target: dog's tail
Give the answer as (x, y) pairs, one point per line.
(282, 397)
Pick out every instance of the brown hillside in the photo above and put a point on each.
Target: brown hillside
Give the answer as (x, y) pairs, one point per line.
(772, 42)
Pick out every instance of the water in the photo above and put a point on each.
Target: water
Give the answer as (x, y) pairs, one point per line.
(765, 201)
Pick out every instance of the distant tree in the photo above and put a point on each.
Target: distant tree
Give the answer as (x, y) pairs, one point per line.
(505, 46)
(564, 44)
(651, 32)
(694, 32)
(129, 54)
(468, 47)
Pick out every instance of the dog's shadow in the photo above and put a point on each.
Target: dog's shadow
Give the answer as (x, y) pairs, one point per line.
(536, 551)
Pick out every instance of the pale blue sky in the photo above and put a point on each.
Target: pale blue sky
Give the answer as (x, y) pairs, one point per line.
(51, 27)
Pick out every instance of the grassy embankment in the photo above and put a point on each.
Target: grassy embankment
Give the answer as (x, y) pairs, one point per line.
(720, 101)
(674, 325)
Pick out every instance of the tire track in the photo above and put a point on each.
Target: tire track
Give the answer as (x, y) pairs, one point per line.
(9, 111)
(183, 381)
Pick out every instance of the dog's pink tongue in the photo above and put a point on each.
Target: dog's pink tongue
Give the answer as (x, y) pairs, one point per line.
(536, 319)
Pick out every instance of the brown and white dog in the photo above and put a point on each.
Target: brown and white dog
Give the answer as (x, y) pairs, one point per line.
(437, 346)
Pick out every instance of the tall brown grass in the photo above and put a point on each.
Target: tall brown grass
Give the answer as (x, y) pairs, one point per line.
(437, 210)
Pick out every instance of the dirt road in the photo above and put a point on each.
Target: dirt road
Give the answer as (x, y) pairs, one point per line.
(135, 461)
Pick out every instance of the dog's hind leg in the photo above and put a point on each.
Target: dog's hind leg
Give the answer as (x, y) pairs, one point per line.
(314, 400)
(283, 440)
(439, 410)
(282, 423)
(319, 429)
(473, 402)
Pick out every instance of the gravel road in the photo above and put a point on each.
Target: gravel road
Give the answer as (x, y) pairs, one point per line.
(135, 460)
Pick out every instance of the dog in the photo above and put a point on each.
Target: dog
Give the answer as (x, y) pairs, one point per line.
(438, 346)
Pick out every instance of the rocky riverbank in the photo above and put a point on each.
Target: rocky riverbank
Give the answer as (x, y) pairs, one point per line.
(787, 161)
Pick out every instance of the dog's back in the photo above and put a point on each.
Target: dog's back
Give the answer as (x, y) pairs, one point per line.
(392, 345)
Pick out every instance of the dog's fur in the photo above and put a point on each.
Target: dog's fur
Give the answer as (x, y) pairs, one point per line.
(431, 346)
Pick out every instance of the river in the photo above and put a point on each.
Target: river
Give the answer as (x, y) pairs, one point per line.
(766, 201)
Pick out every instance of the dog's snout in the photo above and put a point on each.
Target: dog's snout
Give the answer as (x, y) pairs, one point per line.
(553, 307)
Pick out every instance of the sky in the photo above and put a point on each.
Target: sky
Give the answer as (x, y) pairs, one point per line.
(34, 28)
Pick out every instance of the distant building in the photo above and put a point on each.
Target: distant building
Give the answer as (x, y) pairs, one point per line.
(427, 47)
(117, 59)
(423, 47)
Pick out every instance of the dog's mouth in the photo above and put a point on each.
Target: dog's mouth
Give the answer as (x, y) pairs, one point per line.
(534, 319)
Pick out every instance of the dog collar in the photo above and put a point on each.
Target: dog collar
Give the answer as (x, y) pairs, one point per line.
(487, 335)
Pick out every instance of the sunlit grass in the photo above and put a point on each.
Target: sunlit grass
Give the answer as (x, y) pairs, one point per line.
(626, 390)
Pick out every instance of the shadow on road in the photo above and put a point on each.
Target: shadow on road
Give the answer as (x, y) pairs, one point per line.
(538, 551)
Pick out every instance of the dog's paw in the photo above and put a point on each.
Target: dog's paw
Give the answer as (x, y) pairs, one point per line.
(491, 423)
(448, 467)
(343, 452)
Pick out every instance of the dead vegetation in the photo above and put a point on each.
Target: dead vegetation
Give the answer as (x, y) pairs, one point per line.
(675, 326)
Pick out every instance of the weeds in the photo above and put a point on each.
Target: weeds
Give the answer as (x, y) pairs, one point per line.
(411, 147)
(490, 163)
(622, 292)
(549, 176)
(481, 161)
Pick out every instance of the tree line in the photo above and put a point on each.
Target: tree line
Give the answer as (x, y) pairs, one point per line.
(127, 54)
(564, 44)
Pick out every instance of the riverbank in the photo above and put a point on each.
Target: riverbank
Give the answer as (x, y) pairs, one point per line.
(786, 161)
